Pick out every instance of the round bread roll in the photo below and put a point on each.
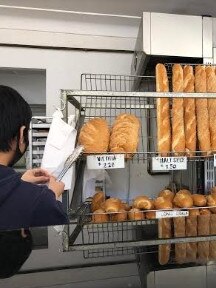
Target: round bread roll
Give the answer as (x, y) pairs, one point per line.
(99, 216)
(194, 212)
(150, 215)
(184, 191)
(167, 194)
(183, 201)
(162, 203)
(112, 205)
(211, 201)
(199, 200)
(120, 216)
(205, 211)
(135, 214)
(125, 206)
(97, 200)
(143, 202)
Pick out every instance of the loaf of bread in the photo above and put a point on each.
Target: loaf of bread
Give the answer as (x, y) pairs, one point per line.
(211, 201)
(203, 130)
(212, 244)
(184, 192)
(179, 231)
(167, 194)
(189, 112)
(199, 200)
(143, 202)
(112, 205)
(119, 217)
(150, 215)
(183, 201)
(99, 216)
(191, 231)
(164, 231)
(135, 214)
(125, 135)
(162, 203)
(94, 136)
(163, 112)
(211, 87)
(97, 200)
(178, 134)
(203, 230)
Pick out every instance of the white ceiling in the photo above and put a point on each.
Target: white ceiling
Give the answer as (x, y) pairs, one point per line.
(125, 7)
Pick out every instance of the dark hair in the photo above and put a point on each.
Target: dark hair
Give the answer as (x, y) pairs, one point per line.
(14, 251)
(15, 112)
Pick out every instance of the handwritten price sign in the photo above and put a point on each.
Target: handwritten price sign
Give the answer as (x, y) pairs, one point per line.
(104, 161)
(171, 214)
(169, 163)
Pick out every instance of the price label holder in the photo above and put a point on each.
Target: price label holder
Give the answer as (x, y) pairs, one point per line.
(214, 160)
(106, 161)
(169, 163)
(171, 214)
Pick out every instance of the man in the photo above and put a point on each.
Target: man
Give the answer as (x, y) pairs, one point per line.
(23, 203)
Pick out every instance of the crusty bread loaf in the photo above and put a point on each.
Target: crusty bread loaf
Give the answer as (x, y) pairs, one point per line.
(180, 248)
(189, 112)
(143, 202)
(203, 130)
(211, 87)
(119, 217)
(162, 203)
(167, 194)
(136, 214)
(125, 135)
(191, 231)
(97, 200)
(183, 201)
(163, 112)
(112, 205)
(99, 216)
(164, 231)
(211, 201)
(178, 134)
(94, 136)
(212, 244)
(199, 200)
(203, 230)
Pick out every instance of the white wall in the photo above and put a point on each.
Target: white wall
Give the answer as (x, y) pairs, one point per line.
(30, 84)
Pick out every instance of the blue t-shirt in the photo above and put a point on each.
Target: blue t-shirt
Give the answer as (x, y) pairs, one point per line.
(24, 205)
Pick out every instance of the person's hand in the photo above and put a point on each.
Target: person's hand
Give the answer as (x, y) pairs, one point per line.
(36, 176)
(56, 187)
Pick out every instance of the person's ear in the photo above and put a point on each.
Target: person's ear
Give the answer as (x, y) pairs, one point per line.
(21, 138)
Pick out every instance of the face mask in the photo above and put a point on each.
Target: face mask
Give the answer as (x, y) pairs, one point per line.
(18, 154)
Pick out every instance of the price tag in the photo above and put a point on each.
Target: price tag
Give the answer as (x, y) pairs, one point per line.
(214, 160)
(171, 214)
(169, 163)
(106, 161)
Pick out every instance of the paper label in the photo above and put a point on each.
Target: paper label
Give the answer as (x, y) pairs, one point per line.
(169, 163)
(171, 214)
(106, 161)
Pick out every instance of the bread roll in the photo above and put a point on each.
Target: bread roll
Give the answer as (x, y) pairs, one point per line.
(163, 112)
(125, 206)
(162, 203)
(150, 215)
(135, 214)
(199, 200)
(203, 230)
(179, 231)
(143, 202)
(183, 201)
(191, 231)
(211, 87)
(178, 134)
(167, 194)
(203, 129)
(212, 244)
(119, 217)
(97, 200)
(125, 135)
(189, 112)
(99, 216)
(112, 205)
(211, 201)
(164, 231)
(184, 191)
(94, 136)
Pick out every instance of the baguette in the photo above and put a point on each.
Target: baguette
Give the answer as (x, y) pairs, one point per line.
(189, 112)
(212, 244)
(203, 230)
(191, 231)
(211, 87)
(164, 231)
(203, 130)
(180, 248)
(178, 135)
(163, 112)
